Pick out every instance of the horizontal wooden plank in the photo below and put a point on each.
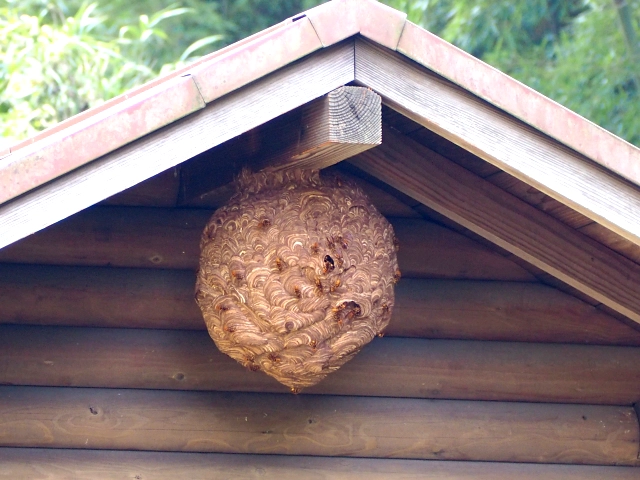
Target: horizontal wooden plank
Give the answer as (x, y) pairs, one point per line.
(507, 221)
(510, 311)
(391, 367)
(428, 250)
(117, 237)
(162, 420)
(53, 464)
(170, 238)
(145, 298)
(98, 297)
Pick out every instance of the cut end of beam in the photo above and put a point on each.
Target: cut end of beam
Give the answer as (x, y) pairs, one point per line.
(337, 126)
(321, 133)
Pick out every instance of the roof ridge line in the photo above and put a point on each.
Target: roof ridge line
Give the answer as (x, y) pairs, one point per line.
(337, 20)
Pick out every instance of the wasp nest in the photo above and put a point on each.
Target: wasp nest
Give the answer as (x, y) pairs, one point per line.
(296, 275)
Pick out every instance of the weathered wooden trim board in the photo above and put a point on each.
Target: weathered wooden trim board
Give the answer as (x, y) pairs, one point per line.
(390, 367)
(500, 139)
(57, 464)
(226, 117)
(162, 420)
(506, 221)
(146, 298)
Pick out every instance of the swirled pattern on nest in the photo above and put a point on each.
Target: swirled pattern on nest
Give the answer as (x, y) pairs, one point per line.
(296, 275)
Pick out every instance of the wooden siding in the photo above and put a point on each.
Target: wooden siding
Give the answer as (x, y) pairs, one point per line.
(398, 367)
(481, 363)
(317, 425)
(115, 465)
(106, 370)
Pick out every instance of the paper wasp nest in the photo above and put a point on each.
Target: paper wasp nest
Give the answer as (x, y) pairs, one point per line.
(296, 275)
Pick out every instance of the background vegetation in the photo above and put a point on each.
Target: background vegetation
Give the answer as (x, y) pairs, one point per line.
(60, 57)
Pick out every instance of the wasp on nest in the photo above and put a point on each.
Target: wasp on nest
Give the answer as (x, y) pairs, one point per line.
(296, 274)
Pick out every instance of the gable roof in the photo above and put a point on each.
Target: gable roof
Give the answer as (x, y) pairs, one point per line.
(130, 138)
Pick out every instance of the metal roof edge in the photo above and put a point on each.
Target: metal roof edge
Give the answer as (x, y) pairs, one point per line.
(101, 133)
(141, 88)
(91, 134)
(237, 67)
(521, 101)
(339, 19)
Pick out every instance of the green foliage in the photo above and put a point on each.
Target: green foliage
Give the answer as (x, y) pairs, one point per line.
(61, 57)
(54, 66)
(588, 69)
(250, 16)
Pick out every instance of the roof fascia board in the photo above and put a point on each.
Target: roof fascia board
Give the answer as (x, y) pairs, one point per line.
(520, 101)
(146, 86)
(150, 109)
(98, 135)
(497, 137)
(227, 117)
(506, 221)
(339, 19)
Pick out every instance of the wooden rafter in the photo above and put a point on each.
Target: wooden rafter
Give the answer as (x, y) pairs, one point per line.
(500, 139)
(343, 123)
(507, 221)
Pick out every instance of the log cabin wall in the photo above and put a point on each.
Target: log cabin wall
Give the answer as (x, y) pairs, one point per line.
(107, 370)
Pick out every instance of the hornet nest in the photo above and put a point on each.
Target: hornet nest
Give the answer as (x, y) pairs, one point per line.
(296, 275)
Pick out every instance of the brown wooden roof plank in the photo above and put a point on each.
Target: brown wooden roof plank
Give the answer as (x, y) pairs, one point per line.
(612, 240)
(380, 23)
(141, 88)
(334, 21)
(160, 190)
(446, 309)
(540, 200)
(389, 367)
(112, 465)
(497, 137)
(339, 19)
(62, 464)
(147, 109)
(507, 221)
(163, 420)
(97, 135)
(170, 238)
(520, 101)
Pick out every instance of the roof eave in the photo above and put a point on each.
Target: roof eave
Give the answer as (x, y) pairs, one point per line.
(63, 148)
